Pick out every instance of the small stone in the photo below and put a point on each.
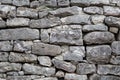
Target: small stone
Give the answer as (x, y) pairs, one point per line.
(21, 57)
(66, 66)
(99, 37)
(95, 77)
(96, 19)
(97, 27)
(34, 4)
(5, 46)
(116, 2)
(60, 74)
(113, 30)
(44, 60)
(2, 24)
(93, 10)
(51, 3)
(46, 49)
(116, 47)
(118, 36)
(72, 76)
(4, 56)
(98, 54)
(21, 2)
(43, 14)
(6, 1)
(63, 3)
(48, 78)
(45, 35)
(115, 60)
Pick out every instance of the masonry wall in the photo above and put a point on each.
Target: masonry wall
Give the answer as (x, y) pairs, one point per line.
(59, 40)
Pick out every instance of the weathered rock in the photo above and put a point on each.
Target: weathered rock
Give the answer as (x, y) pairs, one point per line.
(2, 24)
(6, 67)
(27, 12)
(99, 37)
(109, 69)
(70, 35)
(6, 1)
(51, 3)
(111, 11)
(16, 22)
(43, 14)
(45, 35)
(95, 77)
(62, 12)
(48, 78)
(19, 33)
(93, 10)
(21, 57)
(84, 68)
(97, 27)
(46, 49)
(34, 4)
(96, 19)
(72, 76)
(45, 22)
(116, 2)
(76, 19)
(3, 75)
(44, 60)
(21, 2)
(118, 36)
(66, 66)
(75, 54)
(38, 70)
(63, 3)
(5, 46)
(116, 47)
(60, 74)
(112, 21)
(115, 60)
(98, 54)
(4, 56)
(114, 30)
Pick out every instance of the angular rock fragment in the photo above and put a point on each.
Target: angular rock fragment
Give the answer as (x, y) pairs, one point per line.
(63, 3)
(115, 60)
(4, 56)
(114, 30)
(5, 46)
(97, 19)
(116, 47)
(2, 23)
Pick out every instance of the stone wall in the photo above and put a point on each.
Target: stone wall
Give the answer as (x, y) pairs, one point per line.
(59, 40)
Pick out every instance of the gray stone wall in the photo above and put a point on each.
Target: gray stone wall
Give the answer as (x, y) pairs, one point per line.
(59, 40)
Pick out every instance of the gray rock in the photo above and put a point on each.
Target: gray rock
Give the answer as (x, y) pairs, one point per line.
(97, 27)
(72, 76)
(3, 75)
(116, 47)
(60, 74)
(62, 12)
(21, 57)
(111, 11)
(99, 2)
(98, 54)
(6, 1)
(5, 46)
(76, 53)
(44, 60)
(2, 24)
(93, 10)
(45, 49)
(114, 30)
(19, 33)
(4, 56)
(76, 19)
(68, 34)
(16, 22)
(115, 60)
(43, 14)
(48, 78)
(99, 37)
(85, 68)
(118, 36)
(21, 2)
(27, 12)
(112, 21)
(38, 70)
(66, 66)
(63, 3)
(97, 19)
(95, 77)
(45, 22)
(109, 69)
(6, 67)
(45, 35)
(34, 4)
(51, 3)
(116, 2)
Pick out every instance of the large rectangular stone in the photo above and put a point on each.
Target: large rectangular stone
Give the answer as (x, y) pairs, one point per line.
(21, 2)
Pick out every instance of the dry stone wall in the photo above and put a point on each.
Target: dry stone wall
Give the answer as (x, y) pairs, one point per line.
(59, 40)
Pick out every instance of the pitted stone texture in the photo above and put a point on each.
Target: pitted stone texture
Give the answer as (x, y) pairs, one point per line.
(63, 3)
(44, 60)
(5, 46)
(99, 37)
(116, 47)
(66, 66)
(19, 33)
(76, 53)
(85, 68)
(97, 27)
(4, 56)
(93, 10)
(72, 76)
(45, 22)
(22, 57)
(6, 67)
(48, 78)
(112, 21)
(98, 54)
(115, 60)
(27, 12)
(38, 70)
(109, 69)
(97, 19)
(62, 12)
(76, 19)
(68, 34)
(21, 2)
(45, 49)
(111, 11)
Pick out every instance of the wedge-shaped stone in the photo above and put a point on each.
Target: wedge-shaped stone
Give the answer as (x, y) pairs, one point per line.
(45, 49)
(19, 33)
(99, 38)
(97, 19)
(98, 54)
(66, 66)
(38, 70)
(5, 46)
(116, 47)
(21, 2)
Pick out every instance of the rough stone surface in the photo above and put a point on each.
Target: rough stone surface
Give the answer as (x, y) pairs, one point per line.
(21, 2)
(116, 47)
(115, 60)
(63, 3)
(4, 56)
(114, 30)
(49, 78)
(96, 19)
(5, 46)
(6, 1)
(2, 24)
